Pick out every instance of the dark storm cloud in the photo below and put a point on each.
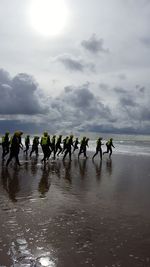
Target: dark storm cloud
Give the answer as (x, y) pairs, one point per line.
(19, 95)
(122, 76)
(73, 64)
(134, 111)
(4, 77)
(145, 114)
(146, 41)
(76, 105)
(94, 45)
(120, 90)
(128, 101)
(103, 86)
(141, 89)
(78, 109)
(85, 102)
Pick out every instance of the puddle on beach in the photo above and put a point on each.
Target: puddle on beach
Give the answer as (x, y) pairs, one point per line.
(78, 213)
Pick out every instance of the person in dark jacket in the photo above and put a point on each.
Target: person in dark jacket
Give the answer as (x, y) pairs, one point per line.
(45, 144)
(15, 147)
(27, 144)
(64, 144)
(5, 145)
(76, 143)
(98, 147)
(35, 145)
(58, 145)
(69, 145)
(84, 144)
(109, 146)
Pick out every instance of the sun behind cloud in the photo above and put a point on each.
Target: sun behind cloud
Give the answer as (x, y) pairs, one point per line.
(48, 17)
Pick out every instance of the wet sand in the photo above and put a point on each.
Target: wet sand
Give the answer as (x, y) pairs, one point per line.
(78, 213)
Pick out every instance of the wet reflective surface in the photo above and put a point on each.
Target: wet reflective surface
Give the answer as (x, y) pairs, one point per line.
(78, 213)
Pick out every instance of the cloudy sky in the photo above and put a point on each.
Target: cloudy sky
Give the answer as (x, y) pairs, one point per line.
(77, 66)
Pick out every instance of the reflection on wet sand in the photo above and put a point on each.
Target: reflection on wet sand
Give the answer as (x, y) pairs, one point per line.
(45, 182)
(109, 166)
(34, 168)
(66, 214)
(10, 182)
(67, 171)
(98, 169)
(83, 167)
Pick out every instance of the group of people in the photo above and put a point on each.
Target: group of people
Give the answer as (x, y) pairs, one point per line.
(50, 146)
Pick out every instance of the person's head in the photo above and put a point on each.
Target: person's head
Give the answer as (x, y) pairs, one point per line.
(45, 134)
(28, 136)
(7, 133)
(111, 139)
(18, 133)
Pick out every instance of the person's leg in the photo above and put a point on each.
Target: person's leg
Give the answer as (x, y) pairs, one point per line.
(6, 150)
(106, 151)
(10, 158)
(54, 151)
(31, 151)
(110, 149)
(37, 151)
(60, 150)
(100, 153)
(70, 154)
(25, 149)
(43, 154)
(3, 153)
(80, 151)
(84, 152)
(95, 154)
(66, 152)
(17, 158)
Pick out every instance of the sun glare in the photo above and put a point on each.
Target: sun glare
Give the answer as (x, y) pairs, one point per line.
(48, 17)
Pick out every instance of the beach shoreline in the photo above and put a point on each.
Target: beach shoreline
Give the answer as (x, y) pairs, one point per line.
(78, 213)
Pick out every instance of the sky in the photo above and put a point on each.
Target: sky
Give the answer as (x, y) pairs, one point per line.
(91, 75)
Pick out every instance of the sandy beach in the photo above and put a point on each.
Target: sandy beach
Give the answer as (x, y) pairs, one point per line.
(78, 213)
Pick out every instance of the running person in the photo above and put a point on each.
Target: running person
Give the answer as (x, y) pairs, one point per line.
(109, 146)
(98, 148)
